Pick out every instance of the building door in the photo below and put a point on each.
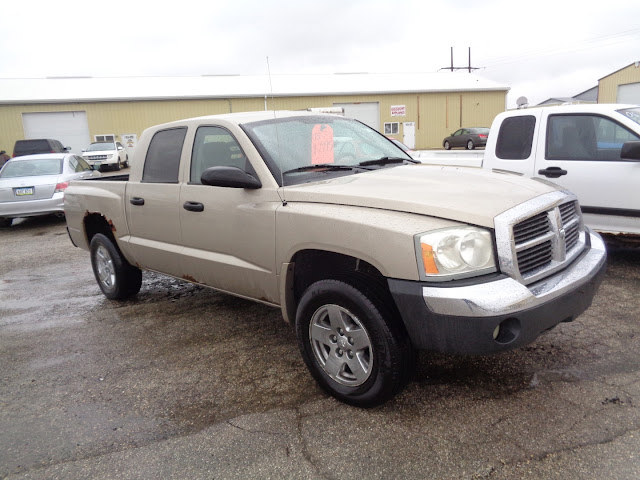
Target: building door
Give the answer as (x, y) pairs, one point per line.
(367, 112)
(70, 128)
(409, 134)
(629, 93)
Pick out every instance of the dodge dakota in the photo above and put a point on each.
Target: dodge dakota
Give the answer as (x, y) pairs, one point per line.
(369, 255)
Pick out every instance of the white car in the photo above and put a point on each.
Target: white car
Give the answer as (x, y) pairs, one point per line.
(103, 155)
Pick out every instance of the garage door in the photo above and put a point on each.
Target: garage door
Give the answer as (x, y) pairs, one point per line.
(71, 128)
(629, 93)
(368, 113)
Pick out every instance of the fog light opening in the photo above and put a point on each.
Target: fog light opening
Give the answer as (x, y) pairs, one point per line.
(507, 331)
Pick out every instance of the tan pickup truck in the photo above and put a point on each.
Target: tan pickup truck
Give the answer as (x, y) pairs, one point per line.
(369, 255)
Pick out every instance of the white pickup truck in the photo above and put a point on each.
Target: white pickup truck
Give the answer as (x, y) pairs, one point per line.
(591, 150)
(369, 254)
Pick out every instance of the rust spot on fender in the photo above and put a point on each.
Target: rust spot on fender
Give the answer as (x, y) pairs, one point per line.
(189, 278)
(112, 226)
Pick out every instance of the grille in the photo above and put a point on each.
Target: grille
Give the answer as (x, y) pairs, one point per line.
(546, 241)
(97, 157)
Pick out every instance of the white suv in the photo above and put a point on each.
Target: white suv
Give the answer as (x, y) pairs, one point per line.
(103, 155)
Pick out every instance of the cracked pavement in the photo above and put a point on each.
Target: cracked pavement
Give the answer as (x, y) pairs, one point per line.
(185, 382)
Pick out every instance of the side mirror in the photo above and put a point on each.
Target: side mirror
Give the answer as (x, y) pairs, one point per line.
(630, 151)
(231, 177)
(67, 149)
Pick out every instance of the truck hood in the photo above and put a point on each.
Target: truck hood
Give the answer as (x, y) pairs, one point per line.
(468, 195)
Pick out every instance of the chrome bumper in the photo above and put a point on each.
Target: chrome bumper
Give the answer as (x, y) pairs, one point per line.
(507, 296)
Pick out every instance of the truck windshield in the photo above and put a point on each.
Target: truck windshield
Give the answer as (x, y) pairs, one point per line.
(307, 148)
(632, 113)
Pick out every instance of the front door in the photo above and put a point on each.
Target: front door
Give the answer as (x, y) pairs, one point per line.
(228, 234)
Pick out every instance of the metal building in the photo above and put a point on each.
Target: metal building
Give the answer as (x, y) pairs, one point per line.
(621, 86)
(419, 109)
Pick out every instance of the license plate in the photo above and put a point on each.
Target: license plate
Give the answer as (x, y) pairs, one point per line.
(23, 191)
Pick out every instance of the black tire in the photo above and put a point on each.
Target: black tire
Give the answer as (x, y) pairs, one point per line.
(351, 344)
(447, 145)
(126, 162)
(117, 165)
(470, 145)
(5, 222)
(116, 277)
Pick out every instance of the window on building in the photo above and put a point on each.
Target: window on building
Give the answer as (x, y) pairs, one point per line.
(215, 147)
(105, 138)
(163, 156)
(391, 128)
(515, 138)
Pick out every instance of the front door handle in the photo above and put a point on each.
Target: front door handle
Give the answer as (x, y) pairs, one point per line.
(552, 172)
(193, 206)
(136, 201)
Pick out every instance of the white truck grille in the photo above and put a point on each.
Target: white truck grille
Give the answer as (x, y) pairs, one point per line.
(532, 245)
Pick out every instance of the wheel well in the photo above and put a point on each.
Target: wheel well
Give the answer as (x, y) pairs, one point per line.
(96, 223)
(311, 266)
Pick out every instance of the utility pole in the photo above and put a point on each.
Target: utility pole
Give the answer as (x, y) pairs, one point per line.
(468, 67)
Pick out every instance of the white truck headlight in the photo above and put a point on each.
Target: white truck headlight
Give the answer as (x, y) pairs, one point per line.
(452, 253)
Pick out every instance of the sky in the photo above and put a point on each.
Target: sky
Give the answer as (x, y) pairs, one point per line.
(540, 50)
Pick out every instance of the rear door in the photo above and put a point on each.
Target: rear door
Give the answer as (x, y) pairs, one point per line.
(152, 204)
(582, 153)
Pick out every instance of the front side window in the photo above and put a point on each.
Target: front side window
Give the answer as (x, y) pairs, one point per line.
(586, 137)
(162, 162)
(515, 137)
(215, 147)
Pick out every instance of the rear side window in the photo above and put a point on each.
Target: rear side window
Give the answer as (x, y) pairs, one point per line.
(163, 156)
(515, 138)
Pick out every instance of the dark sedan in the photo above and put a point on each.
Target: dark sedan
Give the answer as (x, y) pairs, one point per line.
(468, 138)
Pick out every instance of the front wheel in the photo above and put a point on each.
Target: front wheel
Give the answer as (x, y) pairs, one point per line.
(447, 146)
(470, 145)
(116, 277)
(351, 345)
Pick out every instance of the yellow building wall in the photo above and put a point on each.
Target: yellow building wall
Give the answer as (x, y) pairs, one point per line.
(608, 86)
(436, 115)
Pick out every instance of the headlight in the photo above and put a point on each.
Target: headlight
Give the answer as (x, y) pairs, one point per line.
(453, 253)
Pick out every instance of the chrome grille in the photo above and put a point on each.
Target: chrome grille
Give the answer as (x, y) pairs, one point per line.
(534, 242)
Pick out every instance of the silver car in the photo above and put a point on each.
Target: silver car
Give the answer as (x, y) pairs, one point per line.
(34, 184)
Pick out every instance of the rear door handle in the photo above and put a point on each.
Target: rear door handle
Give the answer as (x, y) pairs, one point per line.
(193, 206)
(136, 201)
(552, 172)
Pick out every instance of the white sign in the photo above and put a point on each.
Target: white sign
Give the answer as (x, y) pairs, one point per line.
(129, 140)
(398, 110)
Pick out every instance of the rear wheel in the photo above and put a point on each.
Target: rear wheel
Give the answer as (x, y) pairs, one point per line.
(351, 345)
(116, 277)
(470, 145)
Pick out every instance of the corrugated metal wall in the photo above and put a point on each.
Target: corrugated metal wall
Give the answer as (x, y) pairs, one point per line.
(436, 115)
(608, 86)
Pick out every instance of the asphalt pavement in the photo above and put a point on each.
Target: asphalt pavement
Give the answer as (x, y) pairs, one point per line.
(185, 382)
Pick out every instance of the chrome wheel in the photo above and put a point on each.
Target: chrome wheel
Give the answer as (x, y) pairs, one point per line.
(341, 345)
(105, 267)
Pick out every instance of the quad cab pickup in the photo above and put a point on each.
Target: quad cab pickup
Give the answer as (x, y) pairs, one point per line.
(369, 255)
(591, 150)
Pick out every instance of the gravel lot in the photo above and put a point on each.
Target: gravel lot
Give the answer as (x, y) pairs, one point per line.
(185, 382)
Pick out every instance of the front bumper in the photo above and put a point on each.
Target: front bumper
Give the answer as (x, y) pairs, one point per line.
(31, 208)
(464, 317)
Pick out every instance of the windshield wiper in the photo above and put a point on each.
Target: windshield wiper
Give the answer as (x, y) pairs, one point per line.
(386, 161)
(321, 166)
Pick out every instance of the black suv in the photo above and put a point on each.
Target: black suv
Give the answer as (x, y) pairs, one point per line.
(39, 145)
